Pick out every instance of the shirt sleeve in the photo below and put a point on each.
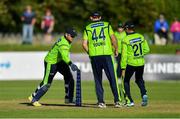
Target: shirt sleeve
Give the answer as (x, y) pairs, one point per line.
(85, 36)
(65, 55)
(116, 34)
(111, 32)
(146, 48)
(124, 55)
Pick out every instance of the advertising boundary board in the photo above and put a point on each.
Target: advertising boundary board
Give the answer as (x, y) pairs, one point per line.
(30, 66)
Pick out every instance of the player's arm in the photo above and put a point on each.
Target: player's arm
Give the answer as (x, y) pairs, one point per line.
(124, 56)
(146, 48)
(64, 50)
(113, 40)
(85, 41)
(85, 45)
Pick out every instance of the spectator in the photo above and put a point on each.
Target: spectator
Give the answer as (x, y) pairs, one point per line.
(175, 29)
(161, 31)
(29, 20)
(47, 25)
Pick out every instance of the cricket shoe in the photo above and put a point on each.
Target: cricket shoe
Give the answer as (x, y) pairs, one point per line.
(30, 98)
(101, 105)
(36, 104)
(144, 100)
(117, 105)
(131, 104)
(68, 101)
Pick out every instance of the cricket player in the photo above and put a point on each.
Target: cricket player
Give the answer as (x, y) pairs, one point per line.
(98, 38)
(120, 35)
(134, 47)
(58, 60)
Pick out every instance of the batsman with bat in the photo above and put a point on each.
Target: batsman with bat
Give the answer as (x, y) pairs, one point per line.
(58, 60)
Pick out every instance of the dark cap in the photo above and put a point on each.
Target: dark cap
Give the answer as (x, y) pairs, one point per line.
(129, 24)
(95, 14)
(120, 25)
(71, 31)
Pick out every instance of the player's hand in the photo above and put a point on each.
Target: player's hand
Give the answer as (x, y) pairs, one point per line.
(116, 53)
(123, 73)
(73, 67)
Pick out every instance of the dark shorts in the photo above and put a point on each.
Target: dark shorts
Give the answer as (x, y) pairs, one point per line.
(45, 30)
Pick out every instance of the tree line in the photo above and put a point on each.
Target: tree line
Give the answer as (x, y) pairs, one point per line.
(76, 12)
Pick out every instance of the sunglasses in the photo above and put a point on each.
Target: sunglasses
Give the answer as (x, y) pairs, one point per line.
(71, 35)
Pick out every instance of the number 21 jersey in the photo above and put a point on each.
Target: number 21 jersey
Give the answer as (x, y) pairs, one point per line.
(134, 47)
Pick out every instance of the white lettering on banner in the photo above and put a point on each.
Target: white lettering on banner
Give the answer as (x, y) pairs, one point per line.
(85, 67)
(177, 67)
(170, 68)
(148, 68)
(162, 68)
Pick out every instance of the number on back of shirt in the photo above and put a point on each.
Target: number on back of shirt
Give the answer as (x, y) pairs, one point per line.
(96, 36)
(137, 49)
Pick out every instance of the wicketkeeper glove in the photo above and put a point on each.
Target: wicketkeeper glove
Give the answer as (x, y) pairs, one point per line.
(73, 67)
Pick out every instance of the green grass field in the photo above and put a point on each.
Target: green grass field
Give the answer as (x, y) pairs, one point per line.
(164, 101)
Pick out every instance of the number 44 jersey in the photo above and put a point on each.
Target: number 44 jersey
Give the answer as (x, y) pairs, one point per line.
(98, 34)
(134, 47)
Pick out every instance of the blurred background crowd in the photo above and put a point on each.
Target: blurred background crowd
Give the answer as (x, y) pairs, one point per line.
(27, 21)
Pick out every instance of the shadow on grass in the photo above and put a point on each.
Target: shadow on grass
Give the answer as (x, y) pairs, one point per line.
(86, 105)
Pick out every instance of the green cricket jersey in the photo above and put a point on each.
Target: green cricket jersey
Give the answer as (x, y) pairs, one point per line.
(98, 35)
(120, 37)
(134, 47)
(59, 51)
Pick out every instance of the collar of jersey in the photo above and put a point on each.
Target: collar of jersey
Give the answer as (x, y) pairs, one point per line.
(130, 33)
(66, 41)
